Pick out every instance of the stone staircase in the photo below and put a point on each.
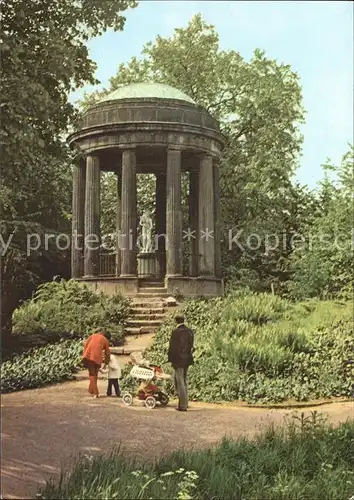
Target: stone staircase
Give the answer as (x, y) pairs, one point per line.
(149, 310)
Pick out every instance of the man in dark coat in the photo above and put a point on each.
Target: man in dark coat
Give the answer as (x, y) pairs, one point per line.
(180, 355)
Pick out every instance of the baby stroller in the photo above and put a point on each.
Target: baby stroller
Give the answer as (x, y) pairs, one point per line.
(148, 392)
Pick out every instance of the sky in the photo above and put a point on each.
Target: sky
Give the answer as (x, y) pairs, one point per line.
(314, 37)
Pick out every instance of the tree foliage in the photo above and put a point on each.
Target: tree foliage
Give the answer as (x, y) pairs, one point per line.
(323, 265)
(44, 56)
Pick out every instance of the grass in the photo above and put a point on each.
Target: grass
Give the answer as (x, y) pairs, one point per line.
(303, 460)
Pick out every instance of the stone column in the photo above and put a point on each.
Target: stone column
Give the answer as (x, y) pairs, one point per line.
(160, 221)
(78, 219)
(92, 216)
(206, 217)
(128, 214)
(193, 223)
(174, 214)
(118, 222)
(217, 224)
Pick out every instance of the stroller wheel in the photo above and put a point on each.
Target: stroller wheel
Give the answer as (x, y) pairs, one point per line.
(127, 399)
(163, 398)
(150, 402)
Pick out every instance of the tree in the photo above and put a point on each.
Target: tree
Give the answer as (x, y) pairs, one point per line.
(323, 266)
(258, 103)
(44, 57)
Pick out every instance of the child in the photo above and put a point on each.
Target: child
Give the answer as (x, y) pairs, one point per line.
(114, 373)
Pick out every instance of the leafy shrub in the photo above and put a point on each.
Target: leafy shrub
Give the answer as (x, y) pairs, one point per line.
(64, 292)
(295, 341)
(269, 359)
(300, 460)
(260, 348)
(117, 335)
(41, 366)
(255, 308)
(27, 319)
(69, 308)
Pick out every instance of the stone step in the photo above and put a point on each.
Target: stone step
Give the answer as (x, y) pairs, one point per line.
(147, 302)
(147, 316)
(145, 311)
(143, 322)
(143, 308)
(140, 330)
(151, 295)
(154, 290)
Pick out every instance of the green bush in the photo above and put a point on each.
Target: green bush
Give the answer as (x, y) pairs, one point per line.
(262, 349)
(61, 315)
(303, 460)
(255, 308)
(70, 309)
(41, 366)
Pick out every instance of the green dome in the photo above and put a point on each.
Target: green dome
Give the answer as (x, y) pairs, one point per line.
(146, 90)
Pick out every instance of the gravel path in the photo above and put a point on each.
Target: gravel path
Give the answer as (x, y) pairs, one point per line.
(43, 429)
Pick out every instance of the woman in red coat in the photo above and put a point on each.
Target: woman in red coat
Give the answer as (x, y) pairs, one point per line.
(96, 352)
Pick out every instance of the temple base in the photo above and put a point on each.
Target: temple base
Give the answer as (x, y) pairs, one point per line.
(147, 265)
(109, 286)
(187, 287)
(195, 287)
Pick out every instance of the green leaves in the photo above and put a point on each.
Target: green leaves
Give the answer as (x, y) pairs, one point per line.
(262, 349)
(325, 267)
(41, 366)
(43, 57)
(59, 316)
(70, 308)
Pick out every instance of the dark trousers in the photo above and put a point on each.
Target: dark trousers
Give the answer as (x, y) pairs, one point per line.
(113, 382)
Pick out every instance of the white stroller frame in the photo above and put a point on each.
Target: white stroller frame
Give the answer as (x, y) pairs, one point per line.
(142, 371)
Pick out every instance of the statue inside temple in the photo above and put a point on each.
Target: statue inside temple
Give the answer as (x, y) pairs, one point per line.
(146, 232)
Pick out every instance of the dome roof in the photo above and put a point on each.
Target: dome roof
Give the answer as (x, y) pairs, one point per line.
(146, 90)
